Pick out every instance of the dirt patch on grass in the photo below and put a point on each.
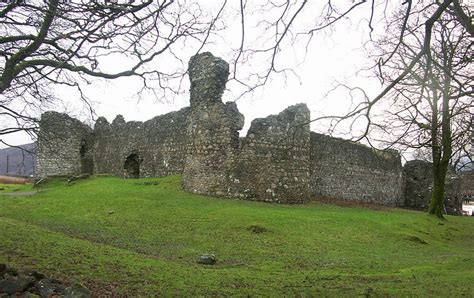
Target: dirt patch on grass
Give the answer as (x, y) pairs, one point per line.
(13, 180)
(147, 183)
(415, 239)
(20, 193)
(100, 288)
(345, 203)
(256, 229)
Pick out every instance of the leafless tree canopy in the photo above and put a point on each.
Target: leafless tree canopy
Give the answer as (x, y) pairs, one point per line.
(46, 43)
(415, 99)
(50, 43)
(424, 66)
(294, 23)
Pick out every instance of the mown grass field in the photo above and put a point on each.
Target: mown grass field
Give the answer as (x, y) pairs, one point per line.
(125, 237)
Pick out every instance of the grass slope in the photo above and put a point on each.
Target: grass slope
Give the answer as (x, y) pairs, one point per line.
(124, 237)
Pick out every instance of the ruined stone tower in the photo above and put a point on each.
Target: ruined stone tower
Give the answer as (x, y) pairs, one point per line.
(212, 127)
(270, 164)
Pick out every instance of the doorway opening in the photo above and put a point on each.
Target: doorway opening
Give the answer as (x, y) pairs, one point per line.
(132, 166)
(87, 163)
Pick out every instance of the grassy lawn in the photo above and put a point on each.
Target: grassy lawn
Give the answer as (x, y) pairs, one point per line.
(10, 188)
(128, 237)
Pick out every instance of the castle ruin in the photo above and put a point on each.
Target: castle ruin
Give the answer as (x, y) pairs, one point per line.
(279, 160)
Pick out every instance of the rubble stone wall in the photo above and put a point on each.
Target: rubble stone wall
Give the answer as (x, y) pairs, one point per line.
(467, 185)
(212, 128)
(64, 146)
(213, 138)
(273, 161)
(270, 164)
(279, 160)
(352, 171)
(419, 184)
(159, 144)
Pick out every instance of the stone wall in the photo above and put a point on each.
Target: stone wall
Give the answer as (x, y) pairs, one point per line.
(419, 184)
(270, 164)
(158, 145)
(273, 162)
(212, 127)
(213, 138)
(351, 171)
(279, 160)
(208, 76)
(467, 184)
(64, 146)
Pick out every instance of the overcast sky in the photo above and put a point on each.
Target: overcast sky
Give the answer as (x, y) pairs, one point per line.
(335, 55)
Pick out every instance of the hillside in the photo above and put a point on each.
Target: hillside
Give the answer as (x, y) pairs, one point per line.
(20, 160)
(142, 237)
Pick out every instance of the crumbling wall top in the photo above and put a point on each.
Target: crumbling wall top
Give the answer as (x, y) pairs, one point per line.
(289, 121)
(119, 120)
(208, 75)
(61, 122)
(101, 125)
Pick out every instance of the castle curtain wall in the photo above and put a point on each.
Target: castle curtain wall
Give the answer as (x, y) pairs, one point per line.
(159, 144)
(352, 171)
(279, 160)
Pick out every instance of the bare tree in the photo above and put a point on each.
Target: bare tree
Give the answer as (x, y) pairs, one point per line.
(46, 43)
(431, 106)
(49, 43)
(271, 30)
(424, 67)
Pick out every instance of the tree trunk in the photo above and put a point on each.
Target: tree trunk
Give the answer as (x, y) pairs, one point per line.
(437, 198)
(441, 154)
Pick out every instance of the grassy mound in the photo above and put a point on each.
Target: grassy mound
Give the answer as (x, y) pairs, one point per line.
(143, 237)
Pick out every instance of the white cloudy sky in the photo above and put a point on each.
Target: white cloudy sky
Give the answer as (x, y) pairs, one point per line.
(334, 55)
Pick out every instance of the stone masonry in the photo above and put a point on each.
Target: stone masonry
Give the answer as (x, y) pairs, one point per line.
(157, 145)
(352, 171)
(279, 160)
(270, 164)
(418, 187)
(212, 128)
(65, 146)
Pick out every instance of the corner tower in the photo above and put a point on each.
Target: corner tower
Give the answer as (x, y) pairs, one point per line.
(64, 146)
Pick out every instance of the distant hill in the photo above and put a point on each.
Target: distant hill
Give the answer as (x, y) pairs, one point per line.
(21, 161)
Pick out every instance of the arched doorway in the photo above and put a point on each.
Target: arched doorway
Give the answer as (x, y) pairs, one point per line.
(132, 166)
(87, 164)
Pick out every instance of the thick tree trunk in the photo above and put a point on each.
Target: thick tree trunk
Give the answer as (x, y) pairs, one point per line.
(437, 198)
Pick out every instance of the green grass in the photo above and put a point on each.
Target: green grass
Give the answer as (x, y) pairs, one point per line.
(10, 188)
(125, 237)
